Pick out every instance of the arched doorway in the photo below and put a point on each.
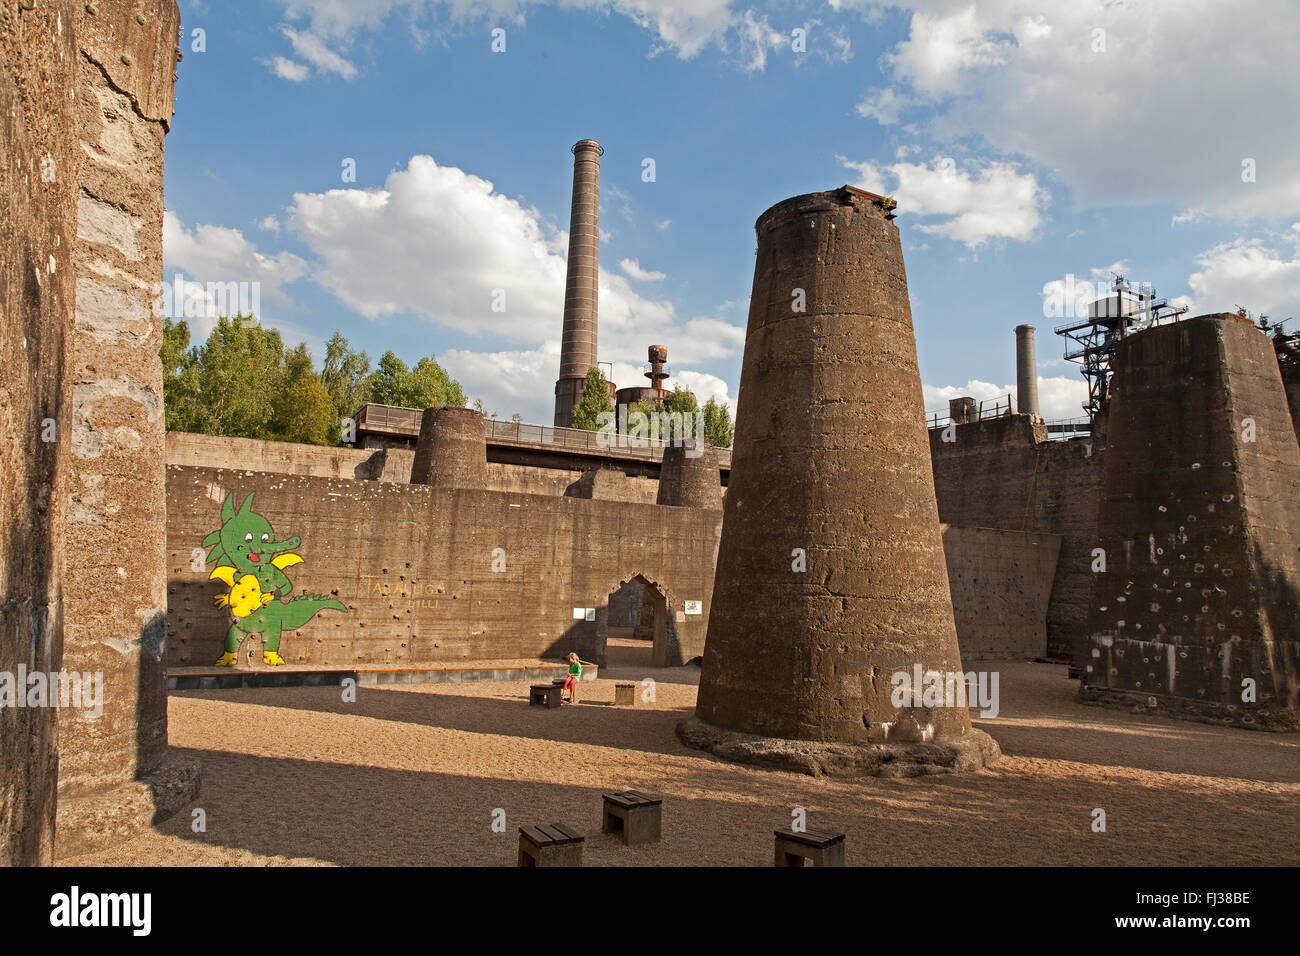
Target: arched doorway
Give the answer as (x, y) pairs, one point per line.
(636, 624)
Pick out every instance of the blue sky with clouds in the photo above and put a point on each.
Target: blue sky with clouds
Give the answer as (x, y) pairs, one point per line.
(1024, 141)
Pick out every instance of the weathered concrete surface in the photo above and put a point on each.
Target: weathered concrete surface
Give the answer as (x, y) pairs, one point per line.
(689, 476)
(1200, 523)
(1004, 473)
(114, 778)
(1291, 381)
(38, 69)
(452, 450)
(414, 565)
(1001, 584)
(602, 484)
(831, 462)
(384, 464)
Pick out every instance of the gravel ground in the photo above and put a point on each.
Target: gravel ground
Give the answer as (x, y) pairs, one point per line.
(415, 775)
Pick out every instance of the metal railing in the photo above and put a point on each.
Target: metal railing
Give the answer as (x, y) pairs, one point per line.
(406, 421)
(996, 408)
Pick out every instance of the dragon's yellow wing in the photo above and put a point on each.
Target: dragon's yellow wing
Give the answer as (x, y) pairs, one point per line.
(283, 561)
(223, 573)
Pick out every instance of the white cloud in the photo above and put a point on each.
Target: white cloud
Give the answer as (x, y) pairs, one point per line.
(663, 224)
(1059, 396)
(977, 203)
(269, 224)
(290, 70)
(218, 254)
(437, 243)
(681, 27)
(1259, 274)
(520, 381)
(1059, 82)
(633, 268)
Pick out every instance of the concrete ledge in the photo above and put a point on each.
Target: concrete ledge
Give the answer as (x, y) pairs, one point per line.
(226, 679)
(1275, 719)
(816, 758)
(99, 820)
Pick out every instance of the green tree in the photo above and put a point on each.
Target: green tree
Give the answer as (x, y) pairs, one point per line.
(425, 386)
(304, 412)
(595, 399)
(344, 373)
(682, 401)
(718, 427)
(180, 386)
(229, 384)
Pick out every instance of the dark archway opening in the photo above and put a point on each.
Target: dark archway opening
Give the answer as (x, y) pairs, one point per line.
(636, 617)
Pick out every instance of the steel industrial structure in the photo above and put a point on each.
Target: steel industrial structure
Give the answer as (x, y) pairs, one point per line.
(1109, 320)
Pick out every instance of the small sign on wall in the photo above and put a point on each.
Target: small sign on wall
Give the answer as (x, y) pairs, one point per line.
(584, 614)
(694, 607)
(679, 616)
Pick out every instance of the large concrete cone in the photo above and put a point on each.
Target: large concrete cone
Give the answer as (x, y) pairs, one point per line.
(831, 577)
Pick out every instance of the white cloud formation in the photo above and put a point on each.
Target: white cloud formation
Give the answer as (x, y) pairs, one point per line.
(976, 203)
(1060, 81)
(1059, 396)
(633, 268)
(209, 253)
(681, 27)
(289, 70)
(1261, 274)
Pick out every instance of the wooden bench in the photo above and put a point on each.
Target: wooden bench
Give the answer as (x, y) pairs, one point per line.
(545, 695)
(624, 695)
(551, 844)
(632, 816)
(820, 847)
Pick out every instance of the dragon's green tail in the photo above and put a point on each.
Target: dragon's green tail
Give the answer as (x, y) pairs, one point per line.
(299, 610)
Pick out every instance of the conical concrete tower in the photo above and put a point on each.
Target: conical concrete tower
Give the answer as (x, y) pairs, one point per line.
(831, 577)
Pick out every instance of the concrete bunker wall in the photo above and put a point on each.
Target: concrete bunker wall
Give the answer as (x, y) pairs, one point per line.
(1003, 473)
(414, 565)
(1001, 584)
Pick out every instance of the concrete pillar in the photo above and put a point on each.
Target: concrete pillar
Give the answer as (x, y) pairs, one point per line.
(1026, 372)
(831, 576)
(115, 774)
(1198, 523)
(689, 476)
(578, 342)
(452, 449)
(38, 189)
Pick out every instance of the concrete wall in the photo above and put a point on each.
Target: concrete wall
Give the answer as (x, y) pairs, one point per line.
(1003, 473)
(215, 451)
(38, 66)
(1001, 583)
(413, 564)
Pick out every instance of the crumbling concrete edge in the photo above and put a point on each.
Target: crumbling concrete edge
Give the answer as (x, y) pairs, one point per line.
(106, 818)
(1278, 720)
(968, 754)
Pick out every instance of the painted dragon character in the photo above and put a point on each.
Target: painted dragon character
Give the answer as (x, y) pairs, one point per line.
(251, 563)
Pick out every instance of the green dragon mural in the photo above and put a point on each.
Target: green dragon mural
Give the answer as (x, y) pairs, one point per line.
(251, 563)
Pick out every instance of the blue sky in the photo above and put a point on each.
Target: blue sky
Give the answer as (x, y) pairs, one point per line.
(1024, 142)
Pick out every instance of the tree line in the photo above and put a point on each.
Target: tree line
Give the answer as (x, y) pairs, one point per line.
(243, 382)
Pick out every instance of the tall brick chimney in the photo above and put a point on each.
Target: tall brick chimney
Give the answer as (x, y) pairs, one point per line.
(578, 345)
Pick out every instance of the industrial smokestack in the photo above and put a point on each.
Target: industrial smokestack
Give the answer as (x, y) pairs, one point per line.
(1026, 372)
(578, 345)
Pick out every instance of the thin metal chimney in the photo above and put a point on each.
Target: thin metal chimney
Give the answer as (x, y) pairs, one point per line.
(1026, 372)
(578, 344)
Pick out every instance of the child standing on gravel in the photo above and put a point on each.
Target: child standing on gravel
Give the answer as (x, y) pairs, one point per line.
(575, 675)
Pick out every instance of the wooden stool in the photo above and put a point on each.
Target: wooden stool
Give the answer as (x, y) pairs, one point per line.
(551, 844)
(820, 847)
(625, 695)
(633, 816)
(545, 695)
